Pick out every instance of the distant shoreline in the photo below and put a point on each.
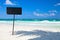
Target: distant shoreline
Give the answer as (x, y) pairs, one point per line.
(30, 20)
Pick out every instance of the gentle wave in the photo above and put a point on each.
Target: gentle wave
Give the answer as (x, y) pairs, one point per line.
(45, 23)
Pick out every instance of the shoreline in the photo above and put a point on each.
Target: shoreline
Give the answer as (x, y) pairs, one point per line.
(33, 25)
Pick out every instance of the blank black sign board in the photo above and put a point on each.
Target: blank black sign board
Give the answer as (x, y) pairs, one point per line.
(14, 10)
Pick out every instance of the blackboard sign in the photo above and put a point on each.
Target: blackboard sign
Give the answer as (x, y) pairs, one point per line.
(14, 10)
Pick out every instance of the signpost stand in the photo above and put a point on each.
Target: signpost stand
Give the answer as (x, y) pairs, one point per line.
(13, 24)
(14, 11)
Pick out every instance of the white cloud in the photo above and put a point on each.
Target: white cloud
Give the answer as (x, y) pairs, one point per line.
(58, 4)
(52, 11)
(8, 2)
(43, 14)
(52, 14)
(38, 14)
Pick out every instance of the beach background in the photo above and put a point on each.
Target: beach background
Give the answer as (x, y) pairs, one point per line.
(30, 30)
(40, 20)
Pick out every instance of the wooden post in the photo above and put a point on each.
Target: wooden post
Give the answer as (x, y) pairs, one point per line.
(13, 24)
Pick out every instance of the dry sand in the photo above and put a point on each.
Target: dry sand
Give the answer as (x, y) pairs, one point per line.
(24, 32)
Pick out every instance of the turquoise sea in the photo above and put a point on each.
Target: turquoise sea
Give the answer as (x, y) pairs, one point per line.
(43, 23)
(30, 19)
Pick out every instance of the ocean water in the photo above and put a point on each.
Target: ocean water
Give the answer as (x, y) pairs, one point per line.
(37, 23)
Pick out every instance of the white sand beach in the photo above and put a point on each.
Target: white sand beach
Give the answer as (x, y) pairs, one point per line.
(30, 31)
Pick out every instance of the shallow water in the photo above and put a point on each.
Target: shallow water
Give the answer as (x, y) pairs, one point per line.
(50, 24)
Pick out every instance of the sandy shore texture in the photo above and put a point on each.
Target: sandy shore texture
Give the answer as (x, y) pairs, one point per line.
(30, 31)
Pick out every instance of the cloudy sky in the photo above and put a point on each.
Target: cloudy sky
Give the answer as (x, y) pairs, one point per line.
(32, 9)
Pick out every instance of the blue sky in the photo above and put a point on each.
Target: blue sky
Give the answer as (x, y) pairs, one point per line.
(32, 9)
